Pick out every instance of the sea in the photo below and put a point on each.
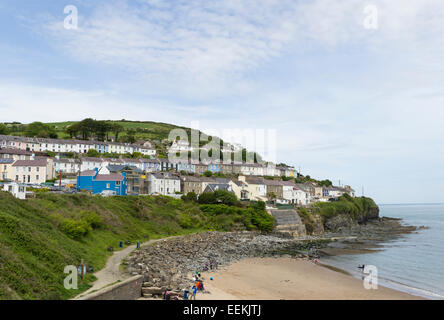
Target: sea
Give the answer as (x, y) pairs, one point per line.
(413, 263)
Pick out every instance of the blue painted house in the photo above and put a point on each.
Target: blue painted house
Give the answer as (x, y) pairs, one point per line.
(92, 181)
(102, 147)
(215, 167)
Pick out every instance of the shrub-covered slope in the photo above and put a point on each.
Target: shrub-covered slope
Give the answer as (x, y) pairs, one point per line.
(39, 237)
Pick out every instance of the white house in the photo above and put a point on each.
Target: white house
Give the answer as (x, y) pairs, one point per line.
(67, 165)
(294, 194)
(164, 183)
(16, 189)
(31, 171)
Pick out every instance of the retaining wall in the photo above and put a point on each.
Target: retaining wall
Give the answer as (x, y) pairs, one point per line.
(130, 289)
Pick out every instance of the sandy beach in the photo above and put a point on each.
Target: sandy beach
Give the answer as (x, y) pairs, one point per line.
(288, 279)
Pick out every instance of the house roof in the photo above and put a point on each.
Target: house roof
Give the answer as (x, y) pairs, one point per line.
(109, 177)
(149, 160)
(165, 175)
(88, 173)
(118, 167)
(66, 160)
(268, 182)
(30, 163)
(220, 186)
(238, 183)
(92, 159)
(15, 151)
(190, 179)
(222, 180)
(254, 180)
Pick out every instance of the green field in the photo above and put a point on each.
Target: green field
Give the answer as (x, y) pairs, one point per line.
(40, 236)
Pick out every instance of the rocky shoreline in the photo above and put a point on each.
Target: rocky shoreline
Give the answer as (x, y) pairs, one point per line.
(168, 264)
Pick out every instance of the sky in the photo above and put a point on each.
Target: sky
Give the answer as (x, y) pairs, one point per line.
(359, 105)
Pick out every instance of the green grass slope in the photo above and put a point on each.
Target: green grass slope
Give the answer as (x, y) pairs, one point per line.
(40, 236)
(144, 129)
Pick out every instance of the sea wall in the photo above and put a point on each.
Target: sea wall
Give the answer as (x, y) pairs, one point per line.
(130, 289)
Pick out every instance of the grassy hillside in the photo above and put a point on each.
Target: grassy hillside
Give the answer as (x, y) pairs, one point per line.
(144, 129)
(40, 236)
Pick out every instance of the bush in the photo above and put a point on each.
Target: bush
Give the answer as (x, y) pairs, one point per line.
(207, 198)
(226, 197)
(75, 228)
(93, 153)
(93, 219)
(190, 196)
(355, 207)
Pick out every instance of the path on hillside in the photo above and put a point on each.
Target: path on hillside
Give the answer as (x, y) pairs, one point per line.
(112, 272)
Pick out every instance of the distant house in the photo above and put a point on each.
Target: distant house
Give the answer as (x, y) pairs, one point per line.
(214, 187)
(240, 189)
(32, 171)
(191, 184)
(6, 169)
(136, 180)
(215, 167)
(256, 187)
(97, 183)
(294, 194)
(90, 163)
(334, 192)
(164, 183)
(16, 189)
(150, 165)
(199, 168)
(65, 165)
(15, 154)
(167, 165)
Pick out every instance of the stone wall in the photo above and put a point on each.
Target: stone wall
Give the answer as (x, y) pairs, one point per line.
(288, 221)
(130, 289)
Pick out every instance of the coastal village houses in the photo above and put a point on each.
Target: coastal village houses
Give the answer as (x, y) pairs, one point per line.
(21, 161)
(32, 171)
(164, 183)
(106, 184)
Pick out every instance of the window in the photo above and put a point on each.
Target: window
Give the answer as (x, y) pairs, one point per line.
(117, 183)
(37, 177)
(38, 168)
(107, 186)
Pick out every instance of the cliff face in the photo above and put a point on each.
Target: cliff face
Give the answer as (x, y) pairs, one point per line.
(339, 215)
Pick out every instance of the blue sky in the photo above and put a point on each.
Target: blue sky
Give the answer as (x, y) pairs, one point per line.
(351, 104)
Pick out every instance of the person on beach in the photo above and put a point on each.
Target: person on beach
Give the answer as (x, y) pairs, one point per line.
(193, 293)
(185, 294)
(166, 295)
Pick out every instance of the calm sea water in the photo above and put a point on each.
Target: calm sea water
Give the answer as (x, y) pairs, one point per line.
(413, 263)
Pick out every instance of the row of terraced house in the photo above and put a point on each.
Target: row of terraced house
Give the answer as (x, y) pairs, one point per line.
(73, 145)
(124, 176)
